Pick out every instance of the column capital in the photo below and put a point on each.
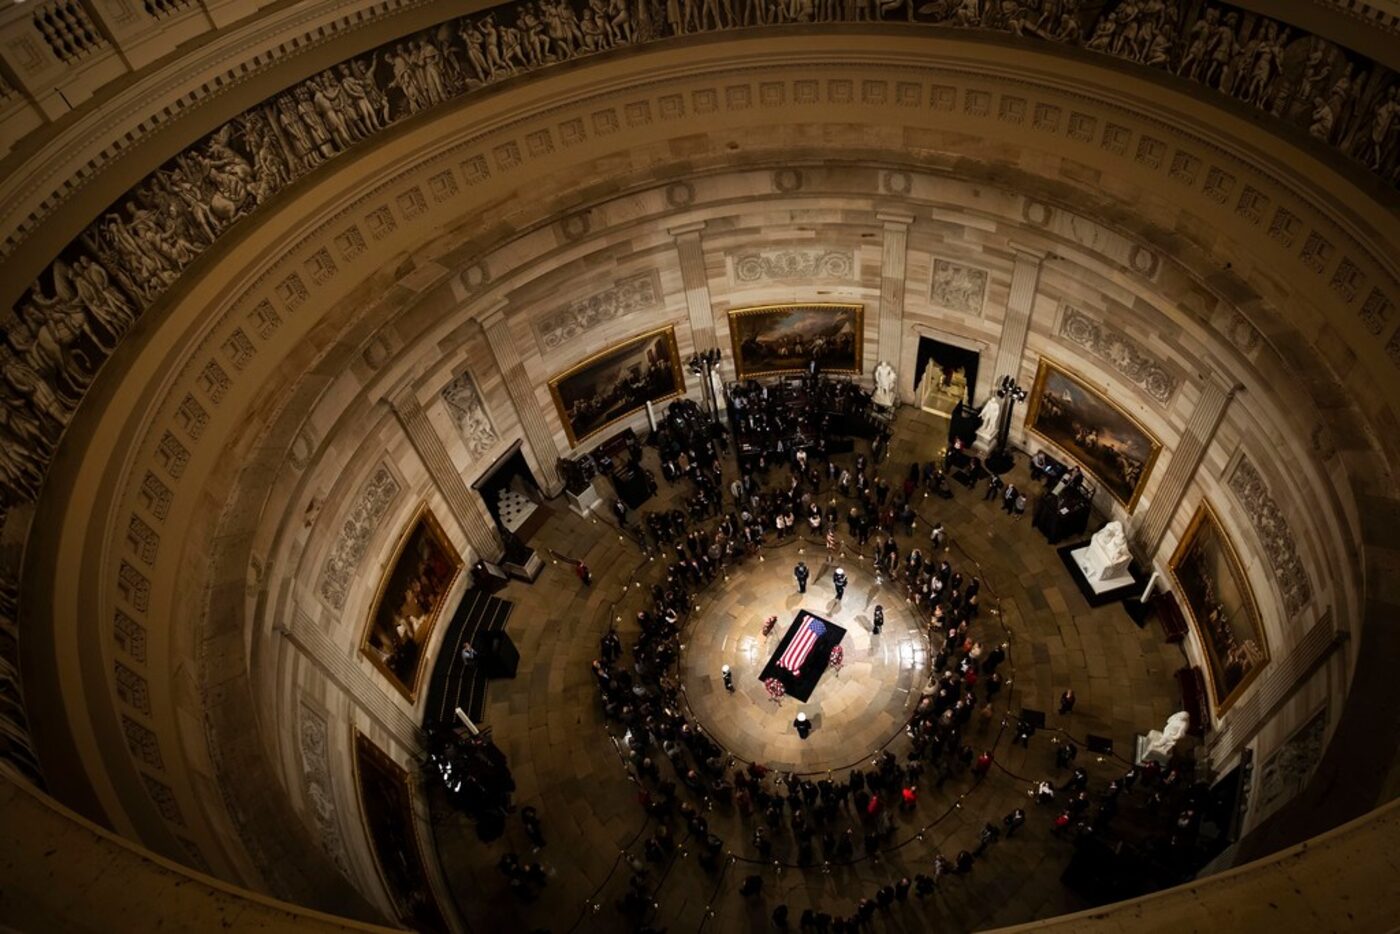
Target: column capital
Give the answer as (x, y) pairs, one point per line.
(681, 230)
(403, 395)
(494, 314)
(894, 218)
(1222, 384)
(1029, 253)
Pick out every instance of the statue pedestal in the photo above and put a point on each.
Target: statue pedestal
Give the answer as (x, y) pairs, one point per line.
(527, 569)
(1104, 561)
(1099, 577)
(985, 441)
(585, 502)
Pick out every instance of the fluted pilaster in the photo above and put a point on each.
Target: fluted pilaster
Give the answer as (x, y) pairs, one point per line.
(1151, 525)
(1025, 277)
(466, 506)
(893, 253)
(691, 254)
(522, 397)
(339, 666)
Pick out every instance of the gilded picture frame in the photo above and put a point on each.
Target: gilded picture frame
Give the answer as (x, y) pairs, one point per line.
(385, 792)
(1104, 438)
(395, 640)
(772, 339)
(1215, 603)
(591, 395)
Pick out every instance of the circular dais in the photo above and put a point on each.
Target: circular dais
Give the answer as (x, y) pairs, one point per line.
(855, 711)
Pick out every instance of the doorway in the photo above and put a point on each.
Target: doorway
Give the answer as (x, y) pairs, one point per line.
(510, 492)
(944, 376)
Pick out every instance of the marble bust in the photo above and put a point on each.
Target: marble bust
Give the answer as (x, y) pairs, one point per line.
(885, 377)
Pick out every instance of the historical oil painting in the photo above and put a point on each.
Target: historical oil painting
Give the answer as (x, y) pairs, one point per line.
(613, 384)
(786, 338)
(386, 801)
(1103, 438)
(411, 598)
(1212, 585)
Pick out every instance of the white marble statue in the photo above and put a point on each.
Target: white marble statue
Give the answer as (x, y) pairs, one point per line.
(1161, 742)
(885, 377)
(1108, 555)
(991, 421)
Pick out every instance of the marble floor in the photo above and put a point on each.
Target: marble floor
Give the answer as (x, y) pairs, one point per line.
(567, 764)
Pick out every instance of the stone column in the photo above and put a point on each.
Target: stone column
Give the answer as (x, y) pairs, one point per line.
(1150, 525)
(522, 396)
(465, 504)
(340, 666)
(1025, 276)
(697, 284)
(894, 251)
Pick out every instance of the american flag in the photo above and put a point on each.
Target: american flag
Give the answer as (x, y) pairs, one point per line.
(801, 645)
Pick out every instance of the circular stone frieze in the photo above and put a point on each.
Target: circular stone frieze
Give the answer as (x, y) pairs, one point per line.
(855, 711)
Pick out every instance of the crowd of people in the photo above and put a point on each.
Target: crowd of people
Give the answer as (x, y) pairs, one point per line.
(821, 820)
(803, 820)
(777, 417)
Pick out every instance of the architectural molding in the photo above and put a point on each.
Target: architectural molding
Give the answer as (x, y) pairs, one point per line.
(466, 506)
(760, 265)
(1016, 319)
(522, 396)
(371, 505)
(690, 252)
(1274, 533)
(1149, 526)
(337, 663)
(462, 399)
(958, 286)
(894, 251)
(1121, 352)
(638, 292)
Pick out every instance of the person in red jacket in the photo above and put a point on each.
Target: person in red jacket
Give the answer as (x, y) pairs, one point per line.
(983, 765)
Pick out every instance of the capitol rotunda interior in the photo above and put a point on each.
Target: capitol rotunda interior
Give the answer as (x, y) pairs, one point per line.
(591, 465)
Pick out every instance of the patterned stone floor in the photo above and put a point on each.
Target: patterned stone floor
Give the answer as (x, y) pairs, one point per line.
(549, 722)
